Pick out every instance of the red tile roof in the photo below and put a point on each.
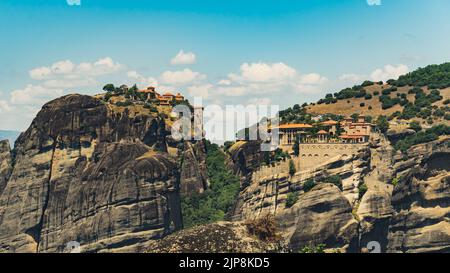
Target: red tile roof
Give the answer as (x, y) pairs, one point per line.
(295, 126)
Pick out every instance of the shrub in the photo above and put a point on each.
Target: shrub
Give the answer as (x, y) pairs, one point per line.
(422, 137)
(291, 199)
(395, 181)
(309, 184)
(264, 228)
(362, 104)
(376, 93)
(108, 95)
(213, 204)
(382, 124)
(292, 169)
(368, 97)
(335, 180)
(320, 248)
(415, 126)
(124, 103)
(362, 189)
(367, 83)
(109, 88)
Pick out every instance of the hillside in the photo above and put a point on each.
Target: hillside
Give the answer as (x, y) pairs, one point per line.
(423, 95)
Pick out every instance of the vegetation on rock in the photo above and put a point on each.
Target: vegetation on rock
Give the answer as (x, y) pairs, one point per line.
(213, 204)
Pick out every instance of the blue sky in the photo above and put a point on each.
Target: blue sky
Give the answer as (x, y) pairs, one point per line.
(278, 52)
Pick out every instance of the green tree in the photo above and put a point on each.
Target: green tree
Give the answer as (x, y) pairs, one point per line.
(362, 189)
(309, 184)
(213, 204)
(292, 169)
(415, 126)
(382, 124)
(291, 199)
(296, 147)
(336, 180)
(109, 87)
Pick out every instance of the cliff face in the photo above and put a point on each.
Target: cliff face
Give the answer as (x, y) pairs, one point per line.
(5, 164)
(412, 217)
(421, 200)
(194, 177)
(90, 173)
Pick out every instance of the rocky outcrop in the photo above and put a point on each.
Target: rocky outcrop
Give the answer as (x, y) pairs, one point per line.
(413, 217)
(220, 237)
(193, 177)
(268, 194)
(421, 200)
(5, 164)
(245, 157)
(89, 172)
(322, 216)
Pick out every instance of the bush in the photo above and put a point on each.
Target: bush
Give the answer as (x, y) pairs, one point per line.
(362, 104)
(395, 181)
(309, 184)
(435, 76)
(335, 180)
(264, 228)
(415, 126)
(368, 97)
(376, 93)
(292, 169)
(124, 103)
(367, 83)
(320, 248)
(422, 137)
(382, 124)
(362, 189)
(388, 102)
(291, 199)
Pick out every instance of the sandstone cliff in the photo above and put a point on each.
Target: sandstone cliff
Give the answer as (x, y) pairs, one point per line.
(413, 217)
(5, 164)
(89, 172)
(421, 200)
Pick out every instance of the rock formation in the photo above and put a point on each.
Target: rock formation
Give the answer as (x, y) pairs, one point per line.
(89, 172)
(193, 178)
(219, 237)
(421, 200)
(5, 164)
(413, 217)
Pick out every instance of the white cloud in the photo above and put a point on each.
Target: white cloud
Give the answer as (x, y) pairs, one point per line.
(4, 106)
(312, 79)
(200, 90)
(264, 72)
(181, 77)
(264, 78)
(389, 72)
(141, 80)
(68, 69)
(184, 58)
(34, 95)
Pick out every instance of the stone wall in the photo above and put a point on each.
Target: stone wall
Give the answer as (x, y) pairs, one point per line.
(316, 154)
(311, 157)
